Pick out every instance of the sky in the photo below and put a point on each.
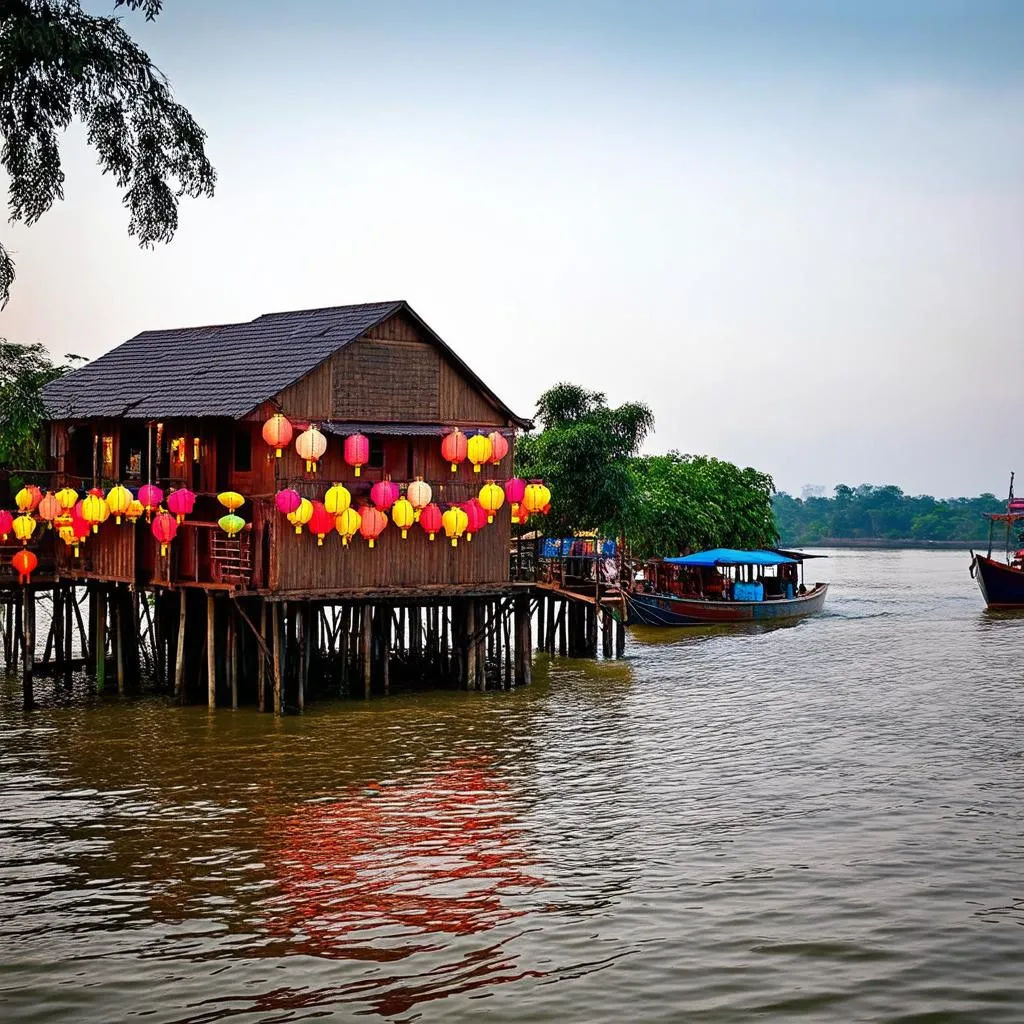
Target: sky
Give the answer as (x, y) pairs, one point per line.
(792, 227)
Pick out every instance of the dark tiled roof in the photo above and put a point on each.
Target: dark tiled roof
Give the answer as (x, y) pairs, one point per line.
(224, 370)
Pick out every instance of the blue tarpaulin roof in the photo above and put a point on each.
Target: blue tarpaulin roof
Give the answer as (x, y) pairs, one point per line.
(729, 556)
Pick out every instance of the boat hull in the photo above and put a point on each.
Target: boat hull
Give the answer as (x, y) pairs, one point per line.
(1001, 586)
(667, 610)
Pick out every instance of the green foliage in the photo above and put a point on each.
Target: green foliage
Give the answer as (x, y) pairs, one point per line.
(685, 502)
(58, 63)
(24, 370)
(882, 513)
(583, 455)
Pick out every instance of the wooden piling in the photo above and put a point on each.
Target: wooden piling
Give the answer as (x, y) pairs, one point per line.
(28, 632)
(276, 629)
(524, 647)
(366, 649)
(100, 637)
(261, 668)
(211, 652)
(606, 633)
(179, 665)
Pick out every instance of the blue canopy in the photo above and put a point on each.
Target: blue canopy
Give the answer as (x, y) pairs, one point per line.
(729, 556)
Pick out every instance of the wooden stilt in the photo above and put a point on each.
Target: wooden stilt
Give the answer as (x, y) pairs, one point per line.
(233, 653)
(384, 648)
(541, 623)
(28, 632)
(179, 665)
(470, 646)
(301, 631)
(524, 648)
(563, 629)
(100, 638)
(550, 633)
(58, 627)
(70, 603)
(606, 633)
(261, 668)
(118, 618)
(276, 629)
(367, 649)
(620, 639)
(211, 653)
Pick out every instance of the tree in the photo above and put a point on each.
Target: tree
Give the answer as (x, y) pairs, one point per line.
(583, 454)
(24, 370)
(58, 63)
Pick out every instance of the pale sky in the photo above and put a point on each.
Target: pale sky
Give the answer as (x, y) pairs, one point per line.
(795, 228)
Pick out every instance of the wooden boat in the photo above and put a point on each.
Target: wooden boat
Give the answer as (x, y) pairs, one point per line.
(1002, 583)
(724, 585)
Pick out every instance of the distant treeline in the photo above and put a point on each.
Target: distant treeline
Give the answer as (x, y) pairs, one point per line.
(882, 513)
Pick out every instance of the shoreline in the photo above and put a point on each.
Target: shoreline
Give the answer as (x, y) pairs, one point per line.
(871, 543)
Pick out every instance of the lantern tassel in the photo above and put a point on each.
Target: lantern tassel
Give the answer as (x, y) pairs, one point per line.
(95, 528)
(357, 470)
(371, 542)
(117, 520)
(279, 453)
(476, 469)
(455, 468)
(431, 537)
(319, 542)
(163, 550)
(455, 542)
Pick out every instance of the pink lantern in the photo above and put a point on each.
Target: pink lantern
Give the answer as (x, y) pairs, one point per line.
(476, 516)
(499, 446)
(515, 490)
(356, 451)
(150, 498)
(181, 502)
(6, 524)
(384, 494)
(287, 501)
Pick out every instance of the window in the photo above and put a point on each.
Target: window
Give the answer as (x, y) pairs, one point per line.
(107, 454)
(243, 451)
(376, 453)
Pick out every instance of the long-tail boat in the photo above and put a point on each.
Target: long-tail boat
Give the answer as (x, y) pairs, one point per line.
(1002, 583)
(724, 585)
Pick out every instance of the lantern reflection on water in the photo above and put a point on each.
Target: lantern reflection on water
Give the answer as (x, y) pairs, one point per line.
(444, 855)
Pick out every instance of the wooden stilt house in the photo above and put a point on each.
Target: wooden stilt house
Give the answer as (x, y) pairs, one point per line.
(185, 408)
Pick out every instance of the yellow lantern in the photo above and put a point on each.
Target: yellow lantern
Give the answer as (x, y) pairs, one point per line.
(479, 450)
(134, 510)
(24, 499)
(301, 515)
(94, 511)
(24, 527)
(337, 499)
(231, 500)
(403, 515)
(537, 497)
(492, 497)
(118, 500)
(455, 522)
(347, 524)
(231, 524)
(311, 445)
(68, 498)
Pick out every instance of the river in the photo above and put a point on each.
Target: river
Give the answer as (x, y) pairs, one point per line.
(820, 822)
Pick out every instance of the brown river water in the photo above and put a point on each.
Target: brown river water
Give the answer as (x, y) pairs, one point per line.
(819, 822)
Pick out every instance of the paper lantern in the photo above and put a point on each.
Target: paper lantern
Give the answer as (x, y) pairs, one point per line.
(453, 448)
(499, 446)
(384, 494)
(231, 524)
(430, 520)
(49, 509)
(301, 515)
(165, 528)
(287, 501)
(372, 525)
(455, 522)
(6, 524)
(134, 510)
(181, 502)
(536, 498)
(419, 495)
(150, 497)
(337, 499)
(321, 522)
(479, 450)
(37, 496)
(403, 515)
(356, 451)
(514, 491)
(492, 497)
(79, 531)
(277, 432)
(24, 527)
(23, 499)
(24, 563)
(347, 524)
(231, 500)
(67, 496)
(118, 500)
(311, 445)
(476, 516)
(95, 510)
(521, 516)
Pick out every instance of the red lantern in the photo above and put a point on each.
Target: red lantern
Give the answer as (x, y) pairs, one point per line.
(6, 524)
(79, 527)
(476, 517)
(499, 446)
(287, 501)
(150, 497)
(181, 502)
(321, 522)
(430, 520)
(453, 448)
(37, 496)
(373, 524)
(277, 432)
(24, 564)
(357, 451)
(384, 494)
(165, 528)
(515, 489)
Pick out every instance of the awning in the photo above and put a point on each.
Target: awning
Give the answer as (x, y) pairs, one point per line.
(731, 556)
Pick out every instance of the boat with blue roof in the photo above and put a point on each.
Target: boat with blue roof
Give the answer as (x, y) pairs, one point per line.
(723, 586)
